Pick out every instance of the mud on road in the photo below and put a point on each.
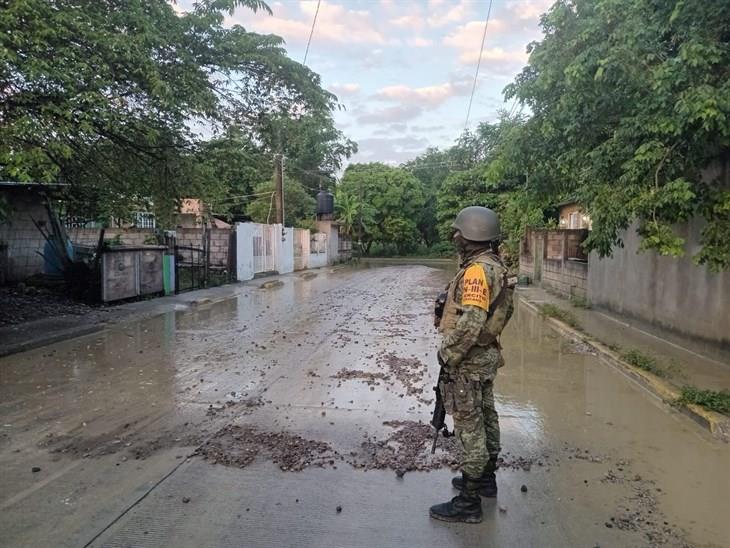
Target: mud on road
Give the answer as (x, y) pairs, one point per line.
(335, 374)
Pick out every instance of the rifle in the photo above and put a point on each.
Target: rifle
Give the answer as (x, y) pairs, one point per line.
(438, 420)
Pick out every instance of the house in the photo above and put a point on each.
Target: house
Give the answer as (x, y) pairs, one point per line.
(572, 216)
(191, 215)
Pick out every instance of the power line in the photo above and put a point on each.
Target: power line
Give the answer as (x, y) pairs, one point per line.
(311, 32)
(479, 63)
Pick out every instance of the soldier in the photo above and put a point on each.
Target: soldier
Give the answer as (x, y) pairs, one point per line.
(478, 306)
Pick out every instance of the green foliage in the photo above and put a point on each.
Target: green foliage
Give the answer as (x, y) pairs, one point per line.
(459, 190)
(644, 362)
(552, 311)
(389, 199)
(299, 205)
(104, 95)
(718, 401)
(627, 112)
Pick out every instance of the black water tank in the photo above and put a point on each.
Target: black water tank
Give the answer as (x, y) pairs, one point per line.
(325, 203)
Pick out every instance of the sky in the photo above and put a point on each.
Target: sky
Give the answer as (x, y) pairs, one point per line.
(404, 69)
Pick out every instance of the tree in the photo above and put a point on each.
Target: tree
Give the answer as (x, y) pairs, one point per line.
(104, 96)
(298, 204)
(630, 102)
(394, 197)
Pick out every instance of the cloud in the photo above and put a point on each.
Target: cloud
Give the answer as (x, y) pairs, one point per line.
(344, 89)
(335, 24)
(410, 21)
(392, 129)
(424, 96)
(395, 150)
(529, 10)
(454, 14)
(429, 129)
(468, 37)
(497, 59)
(419, 42)
(387, 115)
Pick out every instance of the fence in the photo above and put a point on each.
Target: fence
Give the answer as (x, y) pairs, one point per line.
(267, 248)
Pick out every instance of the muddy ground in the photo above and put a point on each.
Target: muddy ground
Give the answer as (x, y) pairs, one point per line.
(297, 415)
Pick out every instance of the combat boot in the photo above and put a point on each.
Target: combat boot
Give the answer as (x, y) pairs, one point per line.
(466, 507)
(487, 481)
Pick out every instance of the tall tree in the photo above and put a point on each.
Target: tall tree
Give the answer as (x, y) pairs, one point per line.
(103, 95)
(395, 198)
(630, 102)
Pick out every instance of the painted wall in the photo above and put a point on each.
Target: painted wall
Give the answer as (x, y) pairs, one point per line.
(673, 293)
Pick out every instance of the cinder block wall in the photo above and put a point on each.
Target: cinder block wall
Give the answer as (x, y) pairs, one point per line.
(128, 236)
(219, 243)
(569, 278)
(558, 270)
(24, 241)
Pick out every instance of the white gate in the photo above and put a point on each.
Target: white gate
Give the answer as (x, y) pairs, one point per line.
(265, 251)
(301, 249)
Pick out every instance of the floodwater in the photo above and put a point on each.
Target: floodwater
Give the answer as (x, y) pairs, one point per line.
(111, 421)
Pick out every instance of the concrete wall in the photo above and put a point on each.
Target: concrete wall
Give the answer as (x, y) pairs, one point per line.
(553, 259)
(23, 241)
(566, 277)
(332, 231)
(672, 293)
(219, 239)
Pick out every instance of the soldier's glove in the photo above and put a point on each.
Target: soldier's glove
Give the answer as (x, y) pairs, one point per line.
(441, 360)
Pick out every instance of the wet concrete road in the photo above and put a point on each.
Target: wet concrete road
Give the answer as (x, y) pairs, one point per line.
(111, 419)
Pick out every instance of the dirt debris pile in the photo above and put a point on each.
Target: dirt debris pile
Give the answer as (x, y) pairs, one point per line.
(409, 371)
(407, 449)
(240, 445)
(371, 379)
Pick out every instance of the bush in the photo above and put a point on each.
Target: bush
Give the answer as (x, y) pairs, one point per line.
(709, 399)
(642, 361)
(558, 313)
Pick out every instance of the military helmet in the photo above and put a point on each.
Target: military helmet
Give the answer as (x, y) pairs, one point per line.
(477, 224)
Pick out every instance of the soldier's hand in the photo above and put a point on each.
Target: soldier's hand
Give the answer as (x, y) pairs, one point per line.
(441, 360)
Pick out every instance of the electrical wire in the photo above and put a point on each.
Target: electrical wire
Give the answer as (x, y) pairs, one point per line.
(479, 63)
(311, 32)
(271, 206)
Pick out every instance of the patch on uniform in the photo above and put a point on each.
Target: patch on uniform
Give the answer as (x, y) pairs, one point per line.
(476, 290)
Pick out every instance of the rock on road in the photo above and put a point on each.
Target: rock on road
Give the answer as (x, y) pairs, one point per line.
(289, 417)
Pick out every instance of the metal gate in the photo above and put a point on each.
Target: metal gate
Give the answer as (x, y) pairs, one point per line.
(191, 268)
(265, 250)
(301, 248)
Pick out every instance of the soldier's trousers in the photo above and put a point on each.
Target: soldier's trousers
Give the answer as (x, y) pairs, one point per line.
(476, 423)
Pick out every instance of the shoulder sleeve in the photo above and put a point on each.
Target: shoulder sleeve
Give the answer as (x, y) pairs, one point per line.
(475, 290)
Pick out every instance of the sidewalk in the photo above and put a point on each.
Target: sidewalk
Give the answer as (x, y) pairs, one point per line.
(683, 361)
(29, 335)
(674, 373)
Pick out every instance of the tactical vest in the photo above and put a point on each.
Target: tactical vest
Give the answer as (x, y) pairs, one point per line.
(500, 307)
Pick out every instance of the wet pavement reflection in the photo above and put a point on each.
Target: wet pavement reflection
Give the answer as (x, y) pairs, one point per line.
(578, 430)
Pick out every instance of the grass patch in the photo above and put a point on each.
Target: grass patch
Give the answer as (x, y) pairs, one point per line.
(644, 362)
(579, 302)
(718, 401)
(553, 311)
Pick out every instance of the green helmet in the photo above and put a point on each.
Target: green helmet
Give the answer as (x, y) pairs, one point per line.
(478, 224)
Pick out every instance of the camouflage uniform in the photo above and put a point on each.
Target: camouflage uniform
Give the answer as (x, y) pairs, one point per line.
(471, 353)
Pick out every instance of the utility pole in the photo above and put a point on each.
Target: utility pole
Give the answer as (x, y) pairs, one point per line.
(359, 230)
(279, 189)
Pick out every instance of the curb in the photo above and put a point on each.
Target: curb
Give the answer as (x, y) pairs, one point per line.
(717, 424)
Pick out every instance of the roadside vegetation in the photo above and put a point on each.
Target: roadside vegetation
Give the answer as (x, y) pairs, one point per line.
(565, 316)
(714, 400)
(644, 362)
